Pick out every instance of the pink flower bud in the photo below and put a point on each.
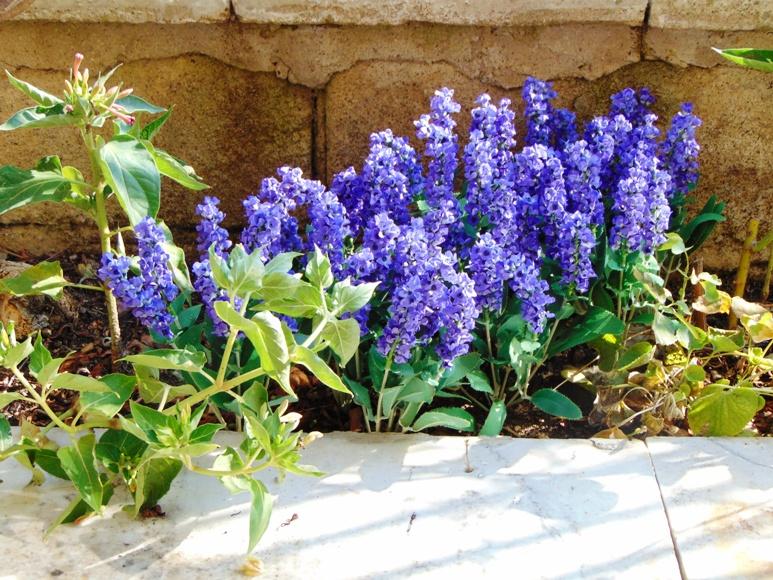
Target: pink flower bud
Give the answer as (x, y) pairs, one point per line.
(128, 119)
(125, 93)
(76, 63)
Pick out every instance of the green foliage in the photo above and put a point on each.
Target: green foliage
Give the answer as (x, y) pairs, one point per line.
(753, 58)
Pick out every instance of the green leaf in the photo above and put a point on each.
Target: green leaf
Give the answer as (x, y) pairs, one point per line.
(479, 381)
(343, 336)
(664, 329)
(449, 417)
(348, 298)
(416, 390)
(40, 356)
(460, 367)
(20, 187)
(17, 353)
(150, 421)
(596, 323)
(318, 270)
(495, 420)
(116, 447)
(40, 96)
(79, 383)
(204, 433)
(279, 286)
(8, 397)
(170, 359)
(135, 104)
(753, 58)
(42, 278)
(48, 461)
(6, 437)
(154, 478)
(78, 463)
(78, 509)
(723, 411)
(635, 356)
(108, 404)
(260, 512)
(554, 403)
(308, 358)
(264, 331)
(49, 371)
(131, 173)
(174, 170)
(39, 118)
(150, 130)
(281, 263)
(694, 373)
(674, 243)
(361, 396)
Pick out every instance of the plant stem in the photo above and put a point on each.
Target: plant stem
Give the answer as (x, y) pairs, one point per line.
(743, 267)
(387, 368)
(487, 324)
(41, 400)
(100, 215)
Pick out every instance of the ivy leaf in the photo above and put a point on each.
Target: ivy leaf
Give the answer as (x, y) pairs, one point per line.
(131, 172)
(78, 463)
(554, 403)
(42, 278)
(343, 336)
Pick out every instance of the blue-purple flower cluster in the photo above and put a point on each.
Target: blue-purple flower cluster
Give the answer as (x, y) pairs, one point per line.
(210, 235)
(528, 225)
(148, 293)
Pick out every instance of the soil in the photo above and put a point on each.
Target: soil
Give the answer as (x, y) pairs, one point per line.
(85, 339)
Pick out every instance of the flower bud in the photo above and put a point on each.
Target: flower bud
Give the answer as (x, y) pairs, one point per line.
(76, 64)
(125, 93)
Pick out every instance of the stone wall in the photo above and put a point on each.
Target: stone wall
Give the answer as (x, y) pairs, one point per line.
(257, 84)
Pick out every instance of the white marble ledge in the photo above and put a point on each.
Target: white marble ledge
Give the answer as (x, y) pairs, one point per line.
(390, 506)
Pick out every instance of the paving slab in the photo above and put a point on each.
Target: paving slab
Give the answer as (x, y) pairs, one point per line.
(390, 506)
(718, 494)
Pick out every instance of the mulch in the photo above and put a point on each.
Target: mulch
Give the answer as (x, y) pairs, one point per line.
(85, 340)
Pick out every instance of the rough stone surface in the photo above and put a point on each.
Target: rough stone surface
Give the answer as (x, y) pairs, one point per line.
(713, 15)
(133, 11)
(720, 503)
(693, 47)
(390, 506)
(234, 126)
(250, 97)
(736, 135)
(460, 12)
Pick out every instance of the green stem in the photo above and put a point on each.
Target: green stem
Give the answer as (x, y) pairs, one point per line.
(487, 324)
(40, 400)
(387, 368)
(100, 215)
(86, 287)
